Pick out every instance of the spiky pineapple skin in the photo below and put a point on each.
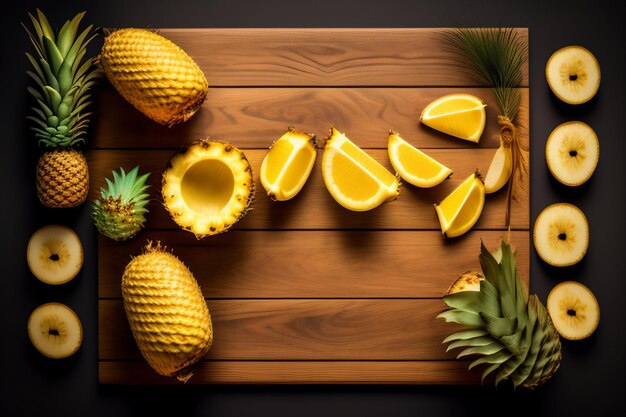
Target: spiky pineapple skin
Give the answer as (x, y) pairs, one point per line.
(153, 74)
(116, 220)
(62, 179)
(167, 313)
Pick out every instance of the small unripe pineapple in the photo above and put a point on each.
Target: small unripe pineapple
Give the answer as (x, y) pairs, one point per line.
(121, 211)
(166, 311)
(154, 75)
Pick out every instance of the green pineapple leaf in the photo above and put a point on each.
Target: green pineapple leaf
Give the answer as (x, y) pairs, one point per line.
(62, 80)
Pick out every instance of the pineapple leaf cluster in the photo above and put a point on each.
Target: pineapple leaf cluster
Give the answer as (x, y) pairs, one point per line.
(505, 329)
(63, 78)
(495, 57)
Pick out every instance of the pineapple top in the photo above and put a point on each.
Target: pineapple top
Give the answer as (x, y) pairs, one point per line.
(63, 79)
(506, 329)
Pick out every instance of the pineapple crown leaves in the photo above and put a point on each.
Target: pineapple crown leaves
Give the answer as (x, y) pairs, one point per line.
(64, 79)
(507, 329)
(128, 188)
(495, 57)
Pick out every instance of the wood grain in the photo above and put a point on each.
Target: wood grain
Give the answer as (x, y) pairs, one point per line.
(325, 57)
(309, 329)
(306, 291)
(255, 117)
(349, 264)
(314, 208)
(298, 372)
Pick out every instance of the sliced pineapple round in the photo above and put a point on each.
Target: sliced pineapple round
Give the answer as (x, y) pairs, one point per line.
(574, 310)
(54, 254)
(208, 188)
(413, 165)
(55, 330)
(461, 209)
(561, 234)
(573, 74)
(288, 164)
(572, 153)
(355, 180)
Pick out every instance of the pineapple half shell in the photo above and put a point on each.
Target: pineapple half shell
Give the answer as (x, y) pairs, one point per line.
(208, 187)
(154, 75)
(167, 313)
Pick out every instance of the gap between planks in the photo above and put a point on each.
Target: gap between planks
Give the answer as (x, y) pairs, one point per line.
(304, 330)
(254, 118)
(325, 56)
(315, 264)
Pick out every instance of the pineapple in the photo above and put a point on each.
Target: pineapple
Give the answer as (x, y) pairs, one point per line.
(208, 188)
(506, 328)
(154, 75)
(167, 313)
(60, 121)
(120, 214)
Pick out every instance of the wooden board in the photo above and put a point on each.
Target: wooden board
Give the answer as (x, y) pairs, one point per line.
(305, 291)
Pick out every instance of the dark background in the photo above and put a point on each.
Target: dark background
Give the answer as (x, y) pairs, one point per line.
(591, 378)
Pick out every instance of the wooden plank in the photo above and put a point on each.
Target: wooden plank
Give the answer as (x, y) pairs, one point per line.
(255, 117)
(312, 329)
(351, 264)
(325, 57)
(305, 291)
(314, 208)
(312, 372)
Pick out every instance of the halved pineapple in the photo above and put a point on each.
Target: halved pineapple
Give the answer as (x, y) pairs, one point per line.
(208, 188)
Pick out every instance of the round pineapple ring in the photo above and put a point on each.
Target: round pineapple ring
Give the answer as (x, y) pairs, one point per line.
(208, 188)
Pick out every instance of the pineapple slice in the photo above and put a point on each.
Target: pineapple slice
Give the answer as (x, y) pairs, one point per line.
(208, 188)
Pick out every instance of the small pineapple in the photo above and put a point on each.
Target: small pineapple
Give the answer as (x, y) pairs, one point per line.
(507, 329)
(154, 75)
(64, 82)
(167, 313)
(208, 188)
(121, 211)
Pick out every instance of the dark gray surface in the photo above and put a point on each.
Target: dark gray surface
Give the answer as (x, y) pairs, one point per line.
(591, 378)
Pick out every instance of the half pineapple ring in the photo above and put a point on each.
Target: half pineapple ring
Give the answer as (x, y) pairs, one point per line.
(208, 188)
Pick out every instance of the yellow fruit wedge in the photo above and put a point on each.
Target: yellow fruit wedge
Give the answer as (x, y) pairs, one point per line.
(288, 164)
(499, 170)
(353, 178)
(413, 165)
(458, 115)
(460, 210)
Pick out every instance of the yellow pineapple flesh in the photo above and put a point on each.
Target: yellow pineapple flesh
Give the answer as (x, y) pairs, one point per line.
(62, 179)
(167, 313)
(154, 75)
(208, 188)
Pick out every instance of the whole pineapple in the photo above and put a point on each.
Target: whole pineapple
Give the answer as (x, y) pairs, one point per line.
(154, 75)
(167, 313)
(121, 211)
(508, 330)
(64, 80)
